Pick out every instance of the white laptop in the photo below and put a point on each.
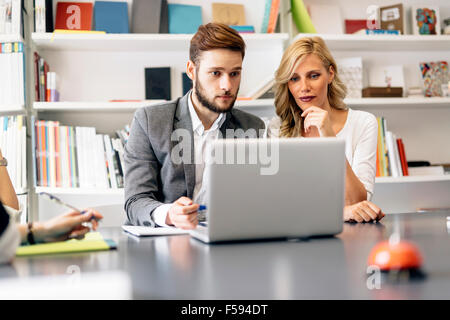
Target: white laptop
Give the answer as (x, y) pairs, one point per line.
(295, 192)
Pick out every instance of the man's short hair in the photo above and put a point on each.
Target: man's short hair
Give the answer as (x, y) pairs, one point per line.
(215, 36)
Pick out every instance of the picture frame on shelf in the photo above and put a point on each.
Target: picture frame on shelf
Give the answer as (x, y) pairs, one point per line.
(425, 20)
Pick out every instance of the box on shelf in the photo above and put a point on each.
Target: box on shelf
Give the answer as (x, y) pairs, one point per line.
(382, 92)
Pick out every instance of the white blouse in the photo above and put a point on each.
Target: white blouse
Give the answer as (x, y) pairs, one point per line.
(360, 133)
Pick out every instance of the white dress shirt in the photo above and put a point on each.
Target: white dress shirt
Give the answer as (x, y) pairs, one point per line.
(202, 139)
(360, 133)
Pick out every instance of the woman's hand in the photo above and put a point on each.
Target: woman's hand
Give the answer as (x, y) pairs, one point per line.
(66, 226)
(320, 119)
(364, 211)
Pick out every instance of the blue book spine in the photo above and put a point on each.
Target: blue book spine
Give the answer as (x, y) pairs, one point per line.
(382, 31)
(265, 22)
(33, 150)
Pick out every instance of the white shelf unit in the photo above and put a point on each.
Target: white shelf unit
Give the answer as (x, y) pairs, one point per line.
(81, 191)
(383, 43)
(11, 109)
(10, 38)
(137, 42)
(93, 69)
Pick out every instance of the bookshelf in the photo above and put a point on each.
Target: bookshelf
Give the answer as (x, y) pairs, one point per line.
(139, 42)
(383, 43)
(94, 69)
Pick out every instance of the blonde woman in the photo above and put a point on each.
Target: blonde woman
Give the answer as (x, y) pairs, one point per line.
(309, 103)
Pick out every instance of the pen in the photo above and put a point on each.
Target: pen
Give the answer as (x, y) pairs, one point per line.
(59, 201)
(201, 213)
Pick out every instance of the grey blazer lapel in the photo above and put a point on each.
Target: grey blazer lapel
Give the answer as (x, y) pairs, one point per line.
(227, 124)
(183, 122)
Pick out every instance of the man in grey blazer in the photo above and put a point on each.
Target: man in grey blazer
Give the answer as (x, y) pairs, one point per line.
(160, 189)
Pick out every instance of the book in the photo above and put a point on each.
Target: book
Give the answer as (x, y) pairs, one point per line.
(111, 16)
(93, 241)
(266, 16)
(377, 32)
(183, 18)
(74, 16)
(354, 25)
(243, 29)
(157, 83)
(273, 17)
(146, 16)
(164, 19)
(228, 13)
(425, 20)
(402, 155)
(391, 18)
(49, 16)
(39, 16)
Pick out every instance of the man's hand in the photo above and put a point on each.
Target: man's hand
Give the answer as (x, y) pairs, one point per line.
(364, 211)
(183, 214)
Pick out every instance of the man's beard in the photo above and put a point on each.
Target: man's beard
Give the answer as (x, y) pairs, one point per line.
(199, 92)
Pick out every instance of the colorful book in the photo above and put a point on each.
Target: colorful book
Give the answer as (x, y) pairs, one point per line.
(111, 17)
(266, 16)
(273, 17)
(184, 19)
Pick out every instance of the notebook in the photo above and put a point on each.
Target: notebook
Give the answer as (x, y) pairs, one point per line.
(93, 241)
(141, 231)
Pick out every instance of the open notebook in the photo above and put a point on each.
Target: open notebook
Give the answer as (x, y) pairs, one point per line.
(93, 241)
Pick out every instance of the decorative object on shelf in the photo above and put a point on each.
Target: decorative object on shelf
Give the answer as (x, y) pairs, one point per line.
(434, 74)
(392, 18)
(326, 18)
(11, 17)
(228, 13)
(74, 16)
(187, 83)
(301, 17)
(111, 16)
(447, 26)
(148, 16)
(351, 74)
(184, 19)
(12, 79)
(425, 20)
(383, 78)
(243, 29)
(382, 92)
(157, 83)
(415, 92)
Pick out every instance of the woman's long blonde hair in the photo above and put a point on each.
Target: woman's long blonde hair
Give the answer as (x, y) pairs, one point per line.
(285, 105)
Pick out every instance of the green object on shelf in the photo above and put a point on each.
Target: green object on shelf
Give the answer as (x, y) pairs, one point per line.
(301, 17)
(93, 241)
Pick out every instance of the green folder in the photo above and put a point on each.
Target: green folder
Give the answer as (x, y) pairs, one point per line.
(93, 241)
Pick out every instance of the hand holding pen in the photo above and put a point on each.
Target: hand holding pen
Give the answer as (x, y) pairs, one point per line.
(183, 214)
(67, 226)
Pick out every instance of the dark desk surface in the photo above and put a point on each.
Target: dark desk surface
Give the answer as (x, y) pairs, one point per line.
(179, 267)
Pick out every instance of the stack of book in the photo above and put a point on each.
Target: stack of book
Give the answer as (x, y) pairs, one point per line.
(13, 134)
(12, 85)
(270, 16)
(77, 157)
(45, 81)
(391, 157)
